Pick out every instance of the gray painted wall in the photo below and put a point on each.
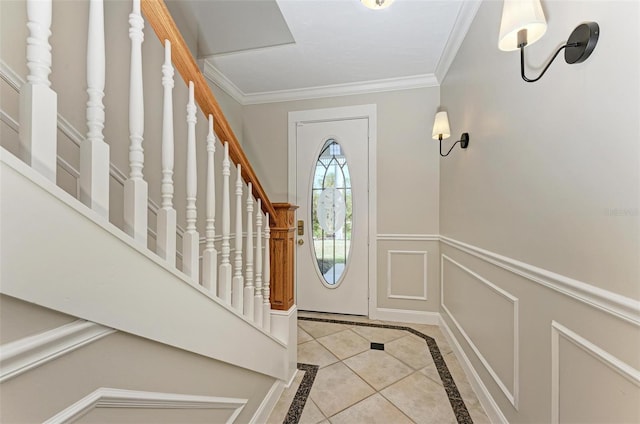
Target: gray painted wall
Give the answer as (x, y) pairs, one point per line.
(118, 361)
(407, 179)
(551, 178)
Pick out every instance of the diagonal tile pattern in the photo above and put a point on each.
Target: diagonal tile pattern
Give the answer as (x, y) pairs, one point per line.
(337, 387)
(415, 379)
(378, 368)
(344, 343)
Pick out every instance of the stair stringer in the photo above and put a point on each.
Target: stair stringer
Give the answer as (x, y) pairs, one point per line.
(57, 253)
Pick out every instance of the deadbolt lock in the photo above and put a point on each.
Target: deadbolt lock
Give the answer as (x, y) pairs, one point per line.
(300, 227)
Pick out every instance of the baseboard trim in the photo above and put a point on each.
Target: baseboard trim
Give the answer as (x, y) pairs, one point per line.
(25, 354)
(486, 400)
(269, 402)
(401, 315)
(118, 398)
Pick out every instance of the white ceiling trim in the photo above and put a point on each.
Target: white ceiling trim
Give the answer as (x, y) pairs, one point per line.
(218, 78)
(335, 90)
(463, 22)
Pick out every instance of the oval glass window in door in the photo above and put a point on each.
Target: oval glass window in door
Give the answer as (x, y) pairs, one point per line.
(331, 213)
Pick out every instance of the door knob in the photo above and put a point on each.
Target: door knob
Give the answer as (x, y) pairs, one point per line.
(300, 242)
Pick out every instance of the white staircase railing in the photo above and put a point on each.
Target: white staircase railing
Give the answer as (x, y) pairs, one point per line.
(239, 285)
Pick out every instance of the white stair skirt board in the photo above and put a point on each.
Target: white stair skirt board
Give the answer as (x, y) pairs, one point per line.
(24, 354)
(486, 400)
(118, 398)
(269, 402)
(401, 315)
(103, 284)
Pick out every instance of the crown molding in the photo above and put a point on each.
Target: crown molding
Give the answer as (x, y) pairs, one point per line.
(334, 90)
(347, 89)
(463, 22)
(218, 78)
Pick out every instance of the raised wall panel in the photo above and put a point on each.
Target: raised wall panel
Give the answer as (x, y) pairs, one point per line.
(493, 335)
(582, 377)
(133, 406)
(407, 274)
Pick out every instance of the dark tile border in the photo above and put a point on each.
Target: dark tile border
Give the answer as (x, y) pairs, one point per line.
(300, 399)
(455, 399)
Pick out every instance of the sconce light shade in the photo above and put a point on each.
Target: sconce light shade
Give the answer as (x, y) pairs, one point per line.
(516, 16)
(441, 128)
(441, 131)
(377, 4)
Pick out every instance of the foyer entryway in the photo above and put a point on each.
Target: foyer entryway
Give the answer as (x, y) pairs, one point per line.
(331, 174)
(375, 372)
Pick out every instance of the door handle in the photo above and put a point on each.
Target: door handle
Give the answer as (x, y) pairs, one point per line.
(300, 242)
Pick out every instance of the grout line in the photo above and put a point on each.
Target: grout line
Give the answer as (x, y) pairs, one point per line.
(455, 398)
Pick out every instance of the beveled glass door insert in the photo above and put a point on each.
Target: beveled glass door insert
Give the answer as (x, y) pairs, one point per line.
(331, 213)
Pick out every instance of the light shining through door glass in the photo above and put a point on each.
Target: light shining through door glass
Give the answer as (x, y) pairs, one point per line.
(331, 212)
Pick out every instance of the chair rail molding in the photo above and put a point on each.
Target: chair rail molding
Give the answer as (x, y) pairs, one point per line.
(615, 304)
(119, 398)
(22, 355)
(408, 237)
(511, 395)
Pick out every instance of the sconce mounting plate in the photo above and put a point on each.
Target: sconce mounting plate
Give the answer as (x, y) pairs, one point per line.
(586, 36)
(464, 140)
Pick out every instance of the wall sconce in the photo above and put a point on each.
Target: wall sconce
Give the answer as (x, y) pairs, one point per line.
(441, 130)
(523, 23)
(377, 4)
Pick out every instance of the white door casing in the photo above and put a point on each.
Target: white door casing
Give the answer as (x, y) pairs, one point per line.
(354, 128)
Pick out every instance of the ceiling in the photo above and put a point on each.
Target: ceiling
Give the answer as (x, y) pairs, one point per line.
(269, 50)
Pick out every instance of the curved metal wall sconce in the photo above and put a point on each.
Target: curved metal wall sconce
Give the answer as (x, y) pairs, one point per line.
(441, 131)
(523, 23)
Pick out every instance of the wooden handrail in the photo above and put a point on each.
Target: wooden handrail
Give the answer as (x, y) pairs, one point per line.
(165, 28)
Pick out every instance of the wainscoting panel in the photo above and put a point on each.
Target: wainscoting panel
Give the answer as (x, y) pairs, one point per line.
(110, 405)
(582, 370)
(407, 274)
(582, 373)
(408, 269)
(494, 335)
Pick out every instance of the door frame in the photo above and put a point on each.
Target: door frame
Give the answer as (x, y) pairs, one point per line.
(369, 112)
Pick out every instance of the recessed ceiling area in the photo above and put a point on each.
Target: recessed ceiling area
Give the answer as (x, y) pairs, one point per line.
(265, 46)
(226, 26)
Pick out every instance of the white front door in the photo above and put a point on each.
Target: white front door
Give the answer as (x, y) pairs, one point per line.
(332, 193)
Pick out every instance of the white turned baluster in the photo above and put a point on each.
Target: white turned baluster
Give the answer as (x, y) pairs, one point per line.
(224, 271)
(257, 297)
(210, 254)
(238, 279)
(135, 188)
(166, 221)
(38, 102)
(190, 238)
(94, 152)
(266, 288)
(248, 280)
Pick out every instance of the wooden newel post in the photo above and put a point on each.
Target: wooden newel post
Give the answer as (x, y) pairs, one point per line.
(281, 248)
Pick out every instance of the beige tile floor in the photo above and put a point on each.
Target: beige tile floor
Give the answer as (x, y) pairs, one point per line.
(357, 385)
